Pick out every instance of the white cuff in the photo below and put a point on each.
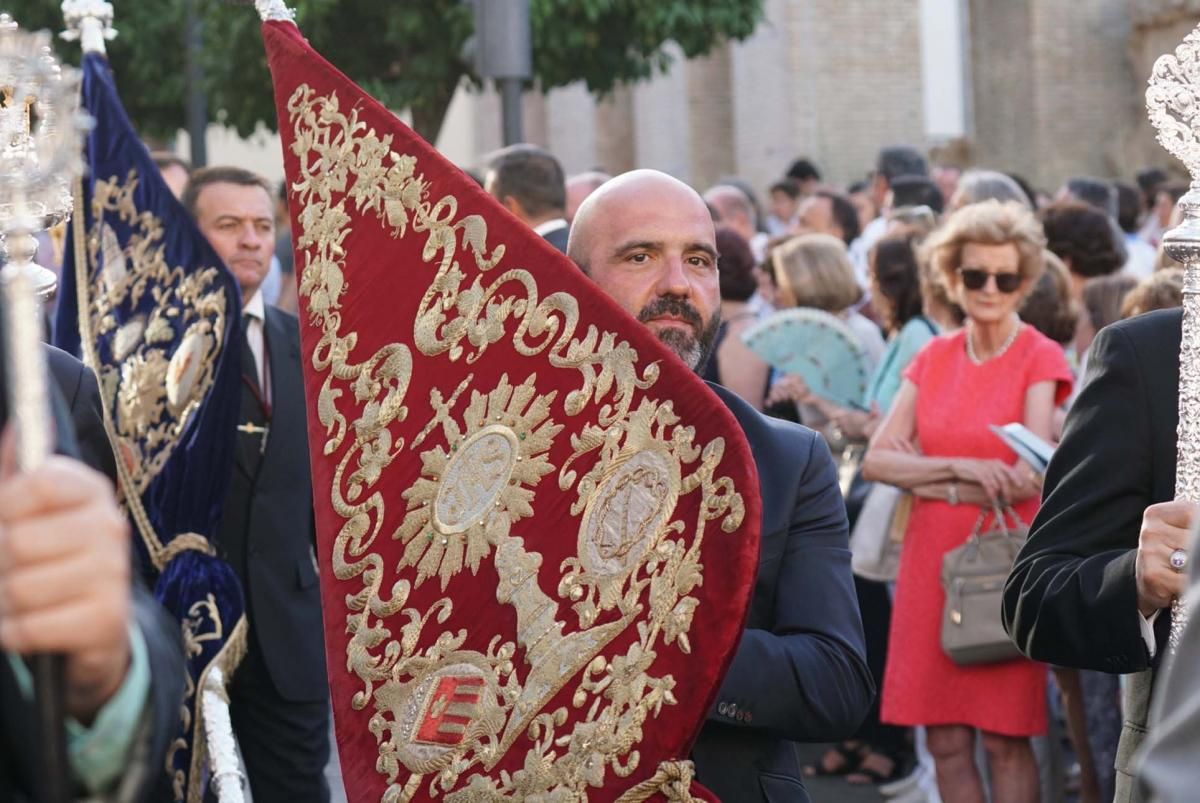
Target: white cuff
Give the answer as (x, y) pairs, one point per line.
(1147, 625)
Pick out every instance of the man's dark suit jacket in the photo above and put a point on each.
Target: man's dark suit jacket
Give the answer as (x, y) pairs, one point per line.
(800, 672)
(558, 238)
(267, 531)
(77, 389)
(1071, 599)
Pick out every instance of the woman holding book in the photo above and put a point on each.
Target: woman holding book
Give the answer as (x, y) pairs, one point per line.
(936, 441)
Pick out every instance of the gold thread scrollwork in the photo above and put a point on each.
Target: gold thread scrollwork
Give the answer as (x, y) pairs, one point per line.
(446, 714)
(150, 391)
(340, 156)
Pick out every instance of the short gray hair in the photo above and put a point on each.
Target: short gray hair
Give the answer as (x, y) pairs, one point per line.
(976, 186)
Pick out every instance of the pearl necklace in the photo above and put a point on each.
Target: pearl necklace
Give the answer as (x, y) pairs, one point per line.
(973, 357)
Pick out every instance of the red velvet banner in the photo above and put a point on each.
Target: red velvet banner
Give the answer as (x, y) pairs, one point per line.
(538, 530)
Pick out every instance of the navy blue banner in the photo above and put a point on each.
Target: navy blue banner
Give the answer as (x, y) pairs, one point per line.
(148, 304)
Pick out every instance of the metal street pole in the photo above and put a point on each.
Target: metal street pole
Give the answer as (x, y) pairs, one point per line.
(510, 110)
(504, 52)
(197, 100)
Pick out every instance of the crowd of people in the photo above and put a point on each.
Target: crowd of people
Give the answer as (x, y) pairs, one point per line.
(974, 300)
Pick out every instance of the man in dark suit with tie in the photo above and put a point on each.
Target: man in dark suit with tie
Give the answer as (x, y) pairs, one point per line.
(800, 671)
(279, 697)
(529, 182)
(1092, 585)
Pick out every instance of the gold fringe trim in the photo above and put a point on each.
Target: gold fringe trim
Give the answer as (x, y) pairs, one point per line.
(673, 781)
(227, 659)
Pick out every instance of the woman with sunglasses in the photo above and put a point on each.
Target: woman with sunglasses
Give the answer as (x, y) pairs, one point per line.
(936, 442)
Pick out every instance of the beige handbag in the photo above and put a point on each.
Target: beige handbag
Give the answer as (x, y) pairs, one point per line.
(973, 578)
(879, 533)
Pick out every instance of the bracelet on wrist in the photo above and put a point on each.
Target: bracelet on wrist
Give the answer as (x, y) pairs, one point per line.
(952, 493)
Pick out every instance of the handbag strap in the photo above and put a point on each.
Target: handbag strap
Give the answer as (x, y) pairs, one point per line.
(1004, 514)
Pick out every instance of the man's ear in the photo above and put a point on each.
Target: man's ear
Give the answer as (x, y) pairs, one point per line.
(513, 205)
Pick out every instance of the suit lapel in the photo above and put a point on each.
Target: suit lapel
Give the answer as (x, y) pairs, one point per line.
(287, 388)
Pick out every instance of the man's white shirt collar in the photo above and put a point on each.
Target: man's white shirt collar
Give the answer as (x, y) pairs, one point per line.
(542, 229)
(256, 308)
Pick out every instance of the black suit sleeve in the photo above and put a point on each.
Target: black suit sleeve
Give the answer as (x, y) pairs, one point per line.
(807, 678)
(1071, 599)
(81, 393)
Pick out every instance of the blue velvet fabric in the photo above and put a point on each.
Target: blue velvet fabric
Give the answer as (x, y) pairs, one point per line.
(186, 496)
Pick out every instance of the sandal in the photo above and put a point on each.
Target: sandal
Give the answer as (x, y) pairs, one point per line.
(848, 756)
(866, 775)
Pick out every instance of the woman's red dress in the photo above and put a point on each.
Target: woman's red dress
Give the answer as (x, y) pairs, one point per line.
(957, 401)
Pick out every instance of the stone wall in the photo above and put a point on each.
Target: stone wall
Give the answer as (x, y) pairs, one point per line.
(1055, 89)
(856, 72)
(1087, 95)
(1158, 27)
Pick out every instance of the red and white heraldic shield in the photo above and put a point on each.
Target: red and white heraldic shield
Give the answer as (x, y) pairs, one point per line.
(538, 530)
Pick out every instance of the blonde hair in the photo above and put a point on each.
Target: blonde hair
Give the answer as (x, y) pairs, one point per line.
(1160, 290)
(989, 223)
(814, 270)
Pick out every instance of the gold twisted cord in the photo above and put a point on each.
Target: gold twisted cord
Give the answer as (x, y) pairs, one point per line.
(673, 780)
(186, 542)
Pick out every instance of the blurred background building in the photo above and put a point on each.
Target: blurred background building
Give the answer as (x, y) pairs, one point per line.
(1045, 88)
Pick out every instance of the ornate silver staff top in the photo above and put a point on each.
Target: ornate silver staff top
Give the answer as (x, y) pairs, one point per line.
(1173, 101)
(89, 22)
(274, 10)
(40, 130)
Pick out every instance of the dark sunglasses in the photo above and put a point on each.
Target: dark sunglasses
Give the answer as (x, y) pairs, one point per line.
(976, 279)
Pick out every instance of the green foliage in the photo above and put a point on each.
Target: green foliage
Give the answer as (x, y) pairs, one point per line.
(147, 56)
(407, 53)
(605, 42)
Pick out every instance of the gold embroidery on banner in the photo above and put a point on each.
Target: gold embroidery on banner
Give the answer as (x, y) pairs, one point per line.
(441, 711)
(338, 155)
(470, 493)
(203, 624)
(149, 394)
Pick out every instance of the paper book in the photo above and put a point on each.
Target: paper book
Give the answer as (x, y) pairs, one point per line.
(1028, 446)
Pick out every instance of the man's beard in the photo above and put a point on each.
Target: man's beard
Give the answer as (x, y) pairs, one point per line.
(693, 349)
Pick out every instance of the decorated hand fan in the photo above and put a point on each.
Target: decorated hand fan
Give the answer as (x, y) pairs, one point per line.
(537, 529)
(819, 347)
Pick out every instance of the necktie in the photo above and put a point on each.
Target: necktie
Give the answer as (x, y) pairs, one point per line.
(254, 410)
(249, 364)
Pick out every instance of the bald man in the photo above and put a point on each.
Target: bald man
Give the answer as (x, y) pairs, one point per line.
(737, 212)
(580, 186)
(800, 671)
